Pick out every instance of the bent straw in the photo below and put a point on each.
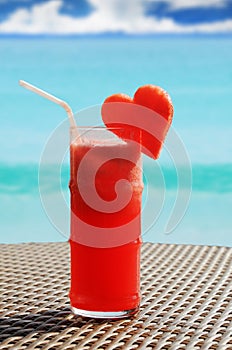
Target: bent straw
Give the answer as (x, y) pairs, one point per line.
(51, 98)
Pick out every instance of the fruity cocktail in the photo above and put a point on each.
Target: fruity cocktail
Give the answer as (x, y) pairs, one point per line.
(105, 223)
(106, 191)
(106, 194)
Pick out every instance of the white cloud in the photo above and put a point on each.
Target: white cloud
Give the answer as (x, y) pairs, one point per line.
(111, 16)
(184, 4)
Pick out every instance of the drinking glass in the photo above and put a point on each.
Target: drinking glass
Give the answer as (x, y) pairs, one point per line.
(106, 194)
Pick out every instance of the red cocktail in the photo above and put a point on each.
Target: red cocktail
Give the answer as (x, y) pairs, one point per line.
(106, 191)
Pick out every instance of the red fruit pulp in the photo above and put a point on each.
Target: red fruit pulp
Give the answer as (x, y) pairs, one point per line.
(120, 110)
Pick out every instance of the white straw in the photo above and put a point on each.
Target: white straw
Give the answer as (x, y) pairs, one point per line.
(51, 98)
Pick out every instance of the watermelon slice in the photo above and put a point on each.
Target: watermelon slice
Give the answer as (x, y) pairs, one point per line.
(145, 118)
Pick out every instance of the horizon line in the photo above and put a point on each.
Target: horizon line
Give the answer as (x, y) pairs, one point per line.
(115, 35)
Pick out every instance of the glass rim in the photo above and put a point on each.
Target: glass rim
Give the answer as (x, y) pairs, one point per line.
(100, 127)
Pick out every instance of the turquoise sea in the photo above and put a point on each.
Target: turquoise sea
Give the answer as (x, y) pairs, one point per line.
(197, 72)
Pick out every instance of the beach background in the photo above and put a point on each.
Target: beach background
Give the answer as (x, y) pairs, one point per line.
(83, 69)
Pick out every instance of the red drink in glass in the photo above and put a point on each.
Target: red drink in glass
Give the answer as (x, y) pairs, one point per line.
(106, 192)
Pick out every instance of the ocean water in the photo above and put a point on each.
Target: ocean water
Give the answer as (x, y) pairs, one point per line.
(192, 180)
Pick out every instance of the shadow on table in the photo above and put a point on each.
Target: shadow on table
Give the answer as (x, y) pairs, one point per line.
(21, 325)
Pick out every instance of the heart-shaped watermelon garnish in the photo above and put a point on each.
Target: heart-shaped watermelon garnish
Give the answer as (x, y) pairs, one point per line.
(145, 118)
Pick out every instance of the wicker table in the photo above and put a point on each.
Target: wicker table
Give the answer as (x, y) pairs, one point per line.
(186, 301)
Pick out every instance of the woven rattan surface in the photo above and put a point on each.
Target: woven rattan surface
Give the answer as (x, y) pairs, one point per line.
(186, 301)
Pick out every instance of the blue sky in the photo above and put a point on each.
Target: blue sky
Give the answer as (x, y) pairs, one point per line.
(113, 16)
